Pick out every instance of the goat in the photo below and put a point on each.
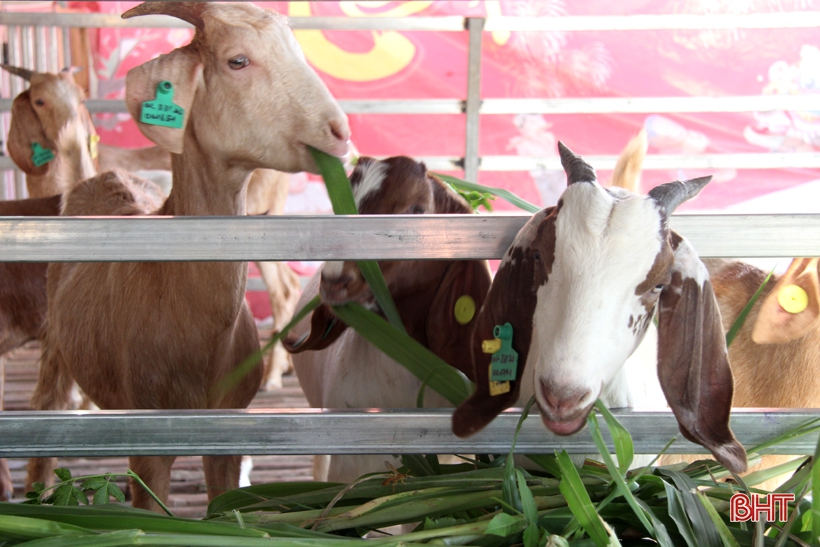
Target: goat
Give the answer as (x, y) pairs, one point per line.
(774, 355)
(346, 371)
(579, 286)
(267, 193)
(164, 335)
(22, 301)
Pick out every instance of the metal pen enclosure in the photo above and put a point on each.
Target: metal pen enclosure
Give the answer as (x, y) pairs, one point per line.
(27, 434)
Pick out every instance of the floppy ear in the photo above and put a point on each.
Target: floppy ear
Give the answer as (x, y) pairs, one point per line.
(792, 307)
(325, 328)
(693, 364)
(184, 72)
(447, 201)
(26, 130)
(512, 299)
(454, 309)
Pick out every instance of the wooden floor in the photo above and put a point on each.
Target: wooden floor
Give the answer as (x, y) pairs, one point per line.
(188, 498)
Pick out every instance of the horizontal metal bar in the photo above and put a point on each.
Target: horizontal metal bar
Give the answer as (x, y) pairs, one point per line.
(453, 23)
(676, 21)
(369, 237)
(795, 19)
(798, 160)
(286, 432)
(605, 105)
(667, 105)
(380, 106)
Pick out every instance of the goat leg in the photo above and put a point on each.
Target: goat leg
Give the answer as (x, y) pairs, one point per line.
(283, 290)
(221, 474)
(155, 472)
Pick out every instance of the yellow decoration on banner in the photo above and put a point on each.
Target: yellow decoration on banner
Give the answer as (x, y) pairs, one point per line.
(793, 298)
(493, 7)
(391, 52)
(352, 9)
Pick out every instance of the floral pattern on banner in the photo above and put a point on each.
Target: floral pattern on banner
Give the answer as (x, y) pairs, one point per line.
(408, 65)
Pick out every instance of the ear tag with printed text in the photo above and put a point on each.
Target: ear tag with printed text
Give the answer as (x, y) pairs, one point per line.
(162, 110)
(93, 141)
(496, 388)
(39, 155)
(504, 364)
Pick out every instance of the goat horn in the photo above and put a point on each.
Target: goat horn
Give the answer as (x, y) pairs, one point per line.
(672, 194)
(575, 167)
(190, 12)
(24, 73)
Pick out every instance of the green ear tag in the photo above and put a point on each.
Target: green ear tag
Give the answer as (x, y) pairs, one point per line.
(504, 364)
(162, 110)
(39, 155)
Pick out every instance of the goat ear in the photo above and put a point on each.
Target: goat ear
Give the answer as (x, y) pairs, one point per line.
(511, 299)
(185, 73)
(325, 328)
(453, 311)
(447, 201)
(693, 364)
(792, 307)
(26, 130)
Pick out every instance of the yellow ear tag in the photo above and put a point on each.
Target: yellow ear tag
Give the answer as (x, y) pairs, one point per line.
(464, 309)
(497, 388)
(491, 346)
(92, 146)
(793, 299)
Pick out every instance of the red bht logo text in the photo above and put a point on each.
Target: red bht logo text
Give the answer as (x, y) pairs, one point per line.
(741, 508)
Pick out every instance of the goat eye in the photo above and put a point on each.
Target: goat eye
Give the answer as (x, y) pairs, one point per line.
(39, 102)
(537, 256)
(417, 210)
(239, 62)
(658, 288)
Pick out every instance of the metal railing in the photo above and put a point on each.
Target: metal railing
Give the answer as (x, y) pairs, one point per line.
(24, 434)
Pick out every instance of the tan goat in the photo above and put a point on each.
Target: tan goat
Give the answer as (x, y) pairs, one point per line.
(163, 335)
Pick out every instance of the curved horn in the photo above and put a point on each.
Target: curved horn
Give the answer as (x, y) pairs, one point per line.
(575, 167)
(24, 73)
(190, 12)
(672, 194)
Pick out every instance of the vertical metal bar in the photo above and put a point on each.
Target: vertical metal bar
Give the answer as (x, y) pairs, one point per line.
(66, 47)
(26, 43)
(41, 63)
(475, 27)
(53, 50)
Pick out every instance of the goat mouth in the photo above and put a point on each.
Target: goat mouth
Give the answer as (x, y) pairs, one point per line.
(565, 426)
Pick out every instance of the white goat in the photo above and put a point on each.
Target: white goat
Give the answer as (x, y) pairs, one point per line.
(346, 371)
(580, 285)
(164, 335)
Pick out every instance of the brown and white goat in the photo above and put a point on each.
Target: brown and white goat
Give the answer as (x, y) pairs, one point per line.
(164, 335)
(580, 285)
(344, 370)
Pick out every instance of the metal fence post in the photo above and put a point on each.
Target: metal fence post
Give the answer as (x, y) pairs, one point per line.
(475, 27)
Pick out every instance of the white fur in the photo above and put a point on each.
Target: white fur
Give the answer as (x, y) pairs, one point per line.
(371, 181)
(333, 268)
(604, 250)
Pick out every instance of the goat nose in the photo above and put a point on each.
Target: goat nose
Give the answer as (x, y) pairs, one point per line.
(339, 134)
(563, 400)
(340, 130)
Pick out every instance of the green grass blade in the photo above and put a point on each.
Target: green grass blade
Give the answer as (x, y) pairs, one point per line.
(255, 358)
(579, 501)
(338, 187)
(815, 496)
(624, 448)
(677, 513)
(708, 534)
(725, 534)
(420, 361)
(378, 286)
(461, 184)
(26, 528)
(341, 196)
(741, 318)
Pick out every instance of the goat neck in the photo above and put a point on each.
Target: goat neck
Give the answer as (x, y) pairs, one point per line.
(204, 184)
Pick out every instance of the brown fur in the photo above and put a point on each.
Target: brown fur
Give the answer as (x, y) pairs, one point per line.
(267, 193)
(425, 293)
(164, 335)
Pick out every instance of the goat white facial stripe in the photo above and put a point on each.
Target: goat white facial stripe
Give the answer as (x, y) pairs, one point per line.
(373, 175)
(333, 268)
